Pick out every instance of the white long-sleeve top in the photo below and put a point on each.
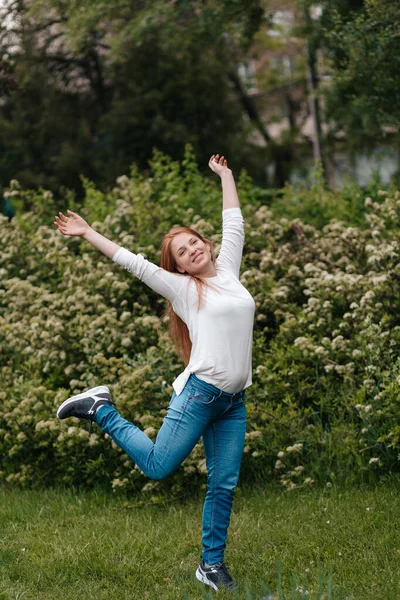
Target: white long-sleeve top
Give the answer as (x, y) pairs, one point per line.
(221, 331)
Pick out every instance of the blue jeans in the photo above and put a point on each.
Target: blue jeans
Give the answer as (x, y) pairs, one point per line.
(201, 410)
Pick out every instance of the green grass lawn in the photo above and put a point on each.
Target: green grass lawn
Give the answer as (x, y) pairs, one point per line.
(325, 544)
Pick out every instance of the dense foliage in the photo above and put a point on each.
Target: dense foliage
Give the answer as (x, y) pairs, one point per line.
(325, 398)
(361, 40)
(94, 88)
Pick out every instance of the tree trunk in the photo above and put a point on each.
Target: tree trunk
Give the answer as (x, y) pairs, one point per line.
(315, 111)
(280, 156)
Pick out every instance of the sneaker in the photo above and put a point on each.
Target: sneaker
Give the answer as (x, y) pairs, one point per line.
(216, 576)
(84, 406)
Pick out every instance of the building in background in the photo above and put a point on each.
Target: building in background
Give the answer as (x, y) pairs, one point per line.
(284, 91)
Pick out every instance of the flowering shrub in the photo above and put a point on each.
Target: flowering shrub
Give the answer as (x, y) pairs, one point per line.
(326, 373)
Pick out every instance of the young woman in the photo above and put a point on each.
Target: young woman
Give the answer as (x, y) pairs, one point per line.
(211, 322)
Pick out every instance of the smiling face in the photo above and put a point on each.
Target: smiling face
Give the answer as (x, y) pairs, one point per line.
(192, 255)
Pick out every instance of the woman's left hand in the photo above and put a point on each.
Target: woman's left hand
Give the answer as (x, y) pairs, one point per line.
(219, 165)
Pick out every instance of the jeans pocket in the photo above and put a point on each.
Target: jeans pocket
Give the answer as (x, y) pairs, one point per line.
(200, 397)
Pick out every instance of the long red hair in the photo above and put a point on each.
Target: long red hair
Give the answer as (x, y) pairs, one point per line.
(177, 328)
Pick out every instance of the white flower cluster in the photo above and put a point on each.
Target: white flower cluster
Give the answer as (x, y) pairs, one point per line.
(326, 333)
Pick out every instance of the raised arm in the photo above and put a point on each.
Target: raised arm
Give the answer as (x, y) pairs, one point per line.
(229, 194)
(161, 281)
(230, 255)
(75, 225)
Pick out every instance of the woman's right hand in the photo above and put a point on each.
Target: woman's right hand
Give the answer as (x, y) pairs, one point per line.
(71, 225)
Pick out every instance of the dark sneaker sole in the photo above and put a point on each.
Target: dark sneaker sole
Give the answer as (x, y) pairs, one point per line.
(96, 393)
